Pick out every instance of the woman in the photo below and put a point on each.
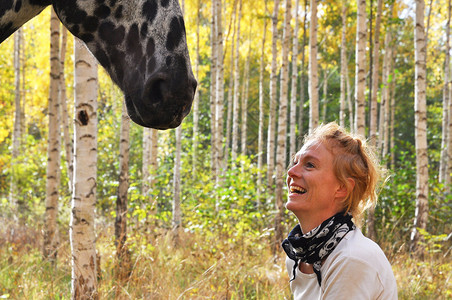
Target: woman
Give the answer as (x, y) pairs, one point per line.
(332, 177)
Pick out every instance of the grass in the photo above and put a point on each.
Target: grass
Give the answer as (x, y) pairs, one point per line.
(198, 269)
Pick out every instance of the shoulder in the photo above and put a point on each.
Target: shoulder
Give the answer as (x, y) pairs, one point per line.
(359, 264)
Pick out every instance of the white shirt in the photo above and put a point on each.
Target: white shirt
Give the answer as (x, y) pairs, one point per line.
(356, 269)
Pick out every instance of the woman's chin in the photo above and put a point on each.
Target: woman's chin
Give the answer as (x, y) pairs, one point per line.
(294, 205)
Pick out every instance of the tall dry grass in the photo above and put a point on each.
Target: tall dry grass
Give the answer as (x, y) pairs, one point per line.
(198, 269)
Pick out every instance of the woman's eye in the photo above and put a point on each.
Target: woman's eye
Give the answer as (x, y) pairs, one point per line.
(309, 165)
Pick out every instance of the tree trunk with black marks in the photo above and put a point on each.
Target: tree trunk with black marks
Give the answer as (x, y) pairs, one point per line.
(235, 110)
(360, 73)
(122, 252)
(293, 88)
(260, 143)
(282, 127)
(272, 108)
(17, 130)
(82, 230)
(344, 67)
(444, 176)
(420, 127)
(197, 93)
(67, 137)
(313, 70)
(51, 239)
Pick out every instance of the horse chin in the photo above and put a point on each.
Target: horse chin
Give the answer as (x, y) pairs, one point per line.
(157, 117)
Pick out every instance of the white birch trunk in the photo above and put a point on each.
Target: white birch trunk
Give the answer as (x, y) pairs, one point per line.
(360, 74)
(302, 79)
(67, 137)
(51, 239)
(219, 89)
(260, 138)
(349, 103)
(230, 89)
(272, 108)
(282, 125)
(196, 98)
(82, 230)
(420, 111)
(213, 90)
(325, 94)
(392, 121)
(153, 162)
(235, 110)
(384, 125)
(23, 63)
(13, 194)
(150, 151)
(343, 63)
(177, 215)
(145, 161)
(293, 88)
(245, 94)
(444, 160)
(122, 252)
(313, 70)
(371, 232)
(375, 77)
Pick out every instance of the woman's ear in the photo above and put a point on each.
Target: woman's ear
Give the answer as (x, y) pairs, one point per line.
(346, 189)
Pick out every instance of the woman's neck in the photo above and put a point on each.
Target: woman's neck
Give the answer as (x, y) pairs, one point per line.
(310, 221)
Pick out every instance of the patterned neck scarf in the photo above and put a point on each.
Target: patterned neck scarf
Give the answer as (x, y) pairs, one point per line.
(318, 243)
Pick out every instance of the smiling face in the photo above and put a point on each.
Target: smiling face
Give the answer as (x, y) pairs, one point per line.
(314, 191)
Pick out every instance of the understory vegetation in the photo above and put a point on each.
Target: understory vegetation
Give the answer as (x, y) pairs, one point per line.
(226, 244)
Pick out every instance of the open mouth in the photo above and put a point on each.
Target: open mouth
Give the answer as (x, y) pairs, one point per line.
(297, 189)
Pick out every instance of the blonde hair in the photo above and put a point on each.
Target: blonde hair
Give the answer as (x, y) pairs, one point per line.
(354, 159)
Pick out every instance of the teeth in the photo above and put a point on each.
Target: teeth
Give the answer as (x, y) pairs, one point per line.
(297, 189)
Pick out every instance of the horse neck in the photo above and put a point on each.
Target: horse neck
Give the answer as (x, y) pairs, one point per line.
(16, 13)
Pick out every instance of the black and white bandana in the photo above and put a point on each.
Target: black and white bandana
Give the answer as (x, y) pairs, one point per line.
(317, 244)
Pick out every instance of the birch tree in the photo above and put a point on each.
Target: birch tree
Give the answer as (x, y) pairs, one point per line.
(293, 88)
(375, 80)
(245, 93)
(302, 77)
(420, 127)
(219, 97)
(371, 232)
(67, 138)
(349, 102)
(272, 108)
(444, 161)
(51, 239)
(231, 93)
(235, 105)
(360, 73)
(82, 230)
(282, 124)
(146, 160)
(313, 70)
(213, 89)
(17, 129)
(383, 138)
(325, 93)
(344, 68)
(122, 252)
(260, 138)
(177, 215)
(197, 92)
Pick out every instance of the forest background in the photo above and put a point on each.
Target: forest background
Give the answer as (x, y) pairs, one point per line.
(205, 208)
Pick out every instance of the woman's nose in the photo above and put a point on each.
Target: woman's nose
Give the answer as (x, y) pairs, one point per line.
(294, 171)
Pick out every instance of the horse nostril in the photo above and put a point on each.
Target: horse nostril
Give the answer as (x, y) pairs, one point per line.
(156, 89)
(194, 84)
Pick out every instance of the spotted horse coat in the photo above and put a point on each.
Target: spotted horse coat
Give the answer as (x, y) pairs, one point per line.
(141, 44)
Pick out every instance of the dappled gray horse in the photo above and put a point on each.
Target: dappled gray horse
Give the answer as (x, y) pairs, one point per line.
(141, 44)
